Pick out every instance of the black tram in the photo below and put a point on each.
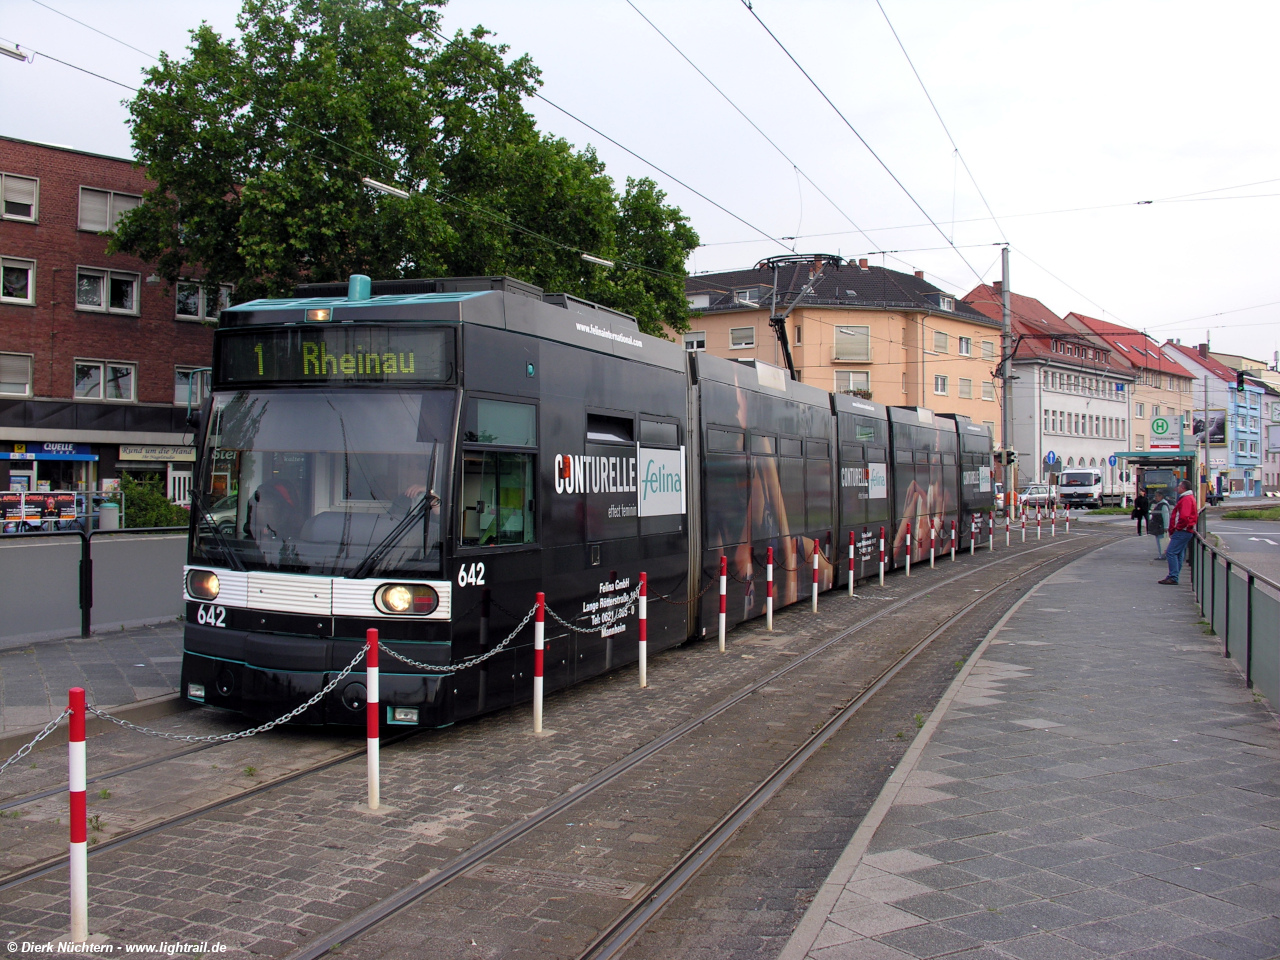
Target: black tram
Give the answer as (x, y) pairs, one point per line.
(424, 456)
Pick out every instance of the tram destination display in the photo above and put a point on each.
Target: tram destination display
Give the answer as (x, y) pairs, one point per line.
(347, 353)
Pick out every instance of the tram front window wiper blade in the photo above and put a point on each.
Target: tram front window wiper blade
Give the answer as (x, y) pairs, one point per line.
(429, 501)
(207, 517)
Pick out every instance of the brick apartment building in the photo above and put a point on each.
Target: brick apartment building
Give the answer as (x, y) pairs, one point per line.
(892, 337)
(97, 356)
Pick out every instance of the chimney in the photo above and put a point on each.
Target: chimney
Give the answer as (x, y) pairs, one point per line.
(862, 264)
(1203, 350)
(919, 274)
(997, 285)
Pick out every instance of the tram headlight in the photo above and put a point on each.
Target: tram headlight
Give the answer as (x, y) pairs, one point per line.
(202, 584)
(406, 599)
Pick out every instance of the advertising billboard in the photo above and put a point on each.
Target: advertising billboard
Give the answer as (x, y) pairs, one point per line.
(1273, 438)
(1217, 426)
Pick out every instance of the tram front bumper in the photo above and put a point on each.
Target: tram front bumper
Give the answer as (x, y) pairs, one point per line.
(265, 676)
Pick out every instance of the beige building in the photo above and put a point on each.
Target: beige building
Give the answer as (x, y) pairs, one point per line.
(892, 337)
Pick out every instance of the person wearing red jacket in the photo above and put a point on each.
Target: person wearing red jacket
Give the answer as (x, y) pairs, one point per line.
(1182, 527)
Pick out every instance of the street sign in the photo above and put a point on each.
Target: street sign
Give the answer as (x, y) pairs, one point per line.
(1051, 458)
(1162, 436)
(1111, 460)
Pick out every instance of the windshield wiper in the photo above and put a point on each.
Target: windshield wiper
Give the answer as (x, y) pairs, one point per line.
(232, 557)
(429, 500)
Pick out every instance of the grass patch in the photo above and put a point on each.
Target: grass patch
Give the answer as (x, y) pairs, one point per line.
(1266, 513)
(1111, 512)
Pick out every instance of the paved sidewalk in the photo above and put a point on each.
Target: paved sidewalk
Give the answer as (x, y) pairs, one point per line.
(115, 668)
(1097, 783)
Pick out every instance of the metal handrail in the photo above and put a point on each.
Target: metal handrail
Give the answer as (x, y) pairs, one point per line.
(1235, 563)
(86, 558)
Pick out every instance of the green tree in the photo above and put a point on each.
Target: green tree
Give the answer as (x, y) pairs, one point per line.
(145, 503)
(257, 145)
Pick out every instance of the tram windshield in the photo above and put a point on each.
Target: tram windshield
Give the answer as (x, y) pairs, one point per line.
(335, 482)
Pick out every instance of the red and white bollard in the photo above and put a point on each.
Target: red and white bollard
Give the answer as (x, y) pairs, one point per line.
(78, 808)
(815, 574)
(953, 541)
(933, 540)
(1024, 523)
(372, 709)
(539, 648)
(991, 531)
(882, 556)
(851, 563)
(908, 548)
(724, 595)
(973, 533)
(644, 629)
(1006, 528)
(1068, 513)
(1053, 520)
(768, 590)
(1039, 524)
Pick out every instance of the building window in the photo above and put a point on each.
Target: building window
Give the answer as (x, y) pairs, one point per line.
(990, 425)
(1139, 442)
(946, 303)
(104, 380)
(190, 385)
(852, 343)
(1045, 414)
(988, 390)
(940, 385)
(695, 341)
(108, 291)
(1139, 410)
(988, 350)
(193, 301)
(851, 381)
(965, 346)
(17, 281)
(19, 197)
(740, 337)
(798, 340)
(939, 342)
(1240, 446)
(904, 383)
(966, 389)
(101, 209)
(1253, 447)
(699, 301)
(751, 295)
(15, 375)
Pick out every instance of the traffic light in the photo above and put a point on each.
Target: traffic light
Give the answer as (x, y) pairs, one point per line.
(1240, 380)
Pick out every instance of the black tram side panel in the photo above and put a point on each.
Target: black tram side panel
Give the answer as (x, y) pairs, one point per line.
(864, 483)
(977, 498)
(768, 481)
(925, 482)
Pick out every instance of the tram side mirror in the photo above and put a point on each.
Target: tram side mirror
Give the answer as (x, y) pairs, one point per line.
(193, 419)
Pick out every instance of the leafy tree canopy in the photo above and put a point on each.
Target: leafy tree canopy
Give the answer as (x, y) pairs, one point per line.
(257, 145)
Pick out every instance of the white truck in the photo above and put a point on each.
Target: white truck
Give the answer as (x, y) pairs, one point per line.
(1082, 488)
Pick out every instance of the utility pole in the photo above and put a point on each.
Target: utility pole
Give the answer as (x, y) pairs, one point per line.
(1006, 375)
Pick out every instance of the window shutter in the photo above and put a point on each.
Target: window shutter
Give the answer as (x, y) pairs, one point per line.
(19, 196)
(15, 374)
(94, 209)
(120, 203)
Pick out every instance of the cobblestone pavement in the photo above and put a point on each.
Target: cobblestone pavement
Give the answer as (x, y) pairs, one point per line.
(1101, 784)
(265, 874)
(114, 668)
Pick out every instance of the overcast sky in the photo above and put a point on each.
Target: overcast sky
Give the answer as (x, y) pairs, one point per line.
(1054, 107)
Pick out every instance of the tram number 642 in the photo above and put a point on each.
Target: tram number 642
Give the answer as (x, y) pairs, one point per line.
(211, 616)
(471, 575)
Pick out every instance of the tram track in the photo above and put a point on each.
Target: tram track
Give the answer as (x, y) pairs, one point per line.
(622, 932)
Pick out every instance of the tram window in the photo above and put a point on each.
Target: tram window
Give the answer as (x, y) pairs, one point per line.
(602, 429)
(935, 458)
(502, 423)
(949, 459)
(656, 433)
(497, 498)
(875, 454)
(922, 456)
(851, 452)
(817, 450)
(763, 445)
(722, 441)
(790, 448)
(902, 456)
(866, 431)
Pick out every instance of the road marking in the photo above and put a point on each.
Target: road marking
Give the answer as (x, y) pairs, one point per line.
(1265, 540)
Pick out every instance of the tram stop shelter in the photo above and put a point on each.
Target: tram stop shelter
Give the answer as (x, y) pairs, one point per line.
(1181, 464)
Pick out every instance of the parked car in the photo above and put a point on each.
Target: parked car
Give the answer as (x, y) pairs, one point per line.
(1036, 495)
(223, 514)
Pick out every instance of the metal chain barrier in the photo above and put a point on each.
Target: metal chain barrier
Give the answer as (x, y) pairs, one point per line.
(28, 747)
(450, 668)
(666, 598)
(239, 735)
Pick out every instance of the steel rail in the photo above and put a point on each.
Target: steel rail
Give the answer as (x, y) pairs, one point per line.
(385, 908)
(615, 940)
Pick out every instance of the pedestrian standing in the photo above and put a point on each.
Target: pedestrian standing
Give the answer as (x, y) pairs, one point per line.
(1181, 529)
(1140, 507)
